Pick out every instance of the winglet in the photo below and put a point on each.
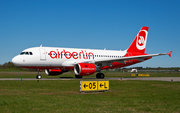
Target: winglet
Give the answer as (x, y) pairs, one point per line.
(169, 53)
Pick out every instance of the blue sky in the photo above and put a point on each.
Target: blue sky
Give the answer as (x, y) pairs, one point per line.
(96, 24)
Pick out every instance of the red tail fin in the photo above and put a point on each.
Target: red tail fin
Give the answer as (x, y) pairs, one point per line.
(138, 46)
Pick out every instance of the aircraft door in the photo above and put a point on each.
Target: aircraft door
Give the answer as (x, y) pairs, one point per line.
(42, 54)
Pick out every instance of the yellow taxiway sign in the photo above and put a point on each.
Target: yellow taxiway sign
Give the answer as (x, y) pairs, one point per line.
(94, 85)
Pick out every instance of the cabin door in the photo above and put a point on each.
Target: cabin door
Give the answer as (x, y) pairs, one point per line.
(42, 54)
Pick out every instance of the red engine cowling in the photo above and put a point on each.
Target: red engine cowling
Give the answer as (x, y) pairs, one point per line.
(84, 69)
(53, 72)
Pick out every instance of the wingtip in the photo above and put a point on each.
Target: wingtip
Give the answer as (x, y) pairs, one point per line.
(169, 53)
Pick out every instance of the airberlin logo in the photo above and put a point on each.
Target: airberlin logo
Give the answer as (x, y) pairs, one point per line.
(68, 55)
(141, 39)
(88, 68)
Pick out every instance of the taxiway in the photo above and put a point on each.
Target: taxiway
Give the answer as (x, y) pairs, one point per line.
(139, 78)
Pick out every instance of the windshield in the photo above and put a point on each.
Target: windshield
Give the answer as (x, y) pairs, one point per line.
(22, 53)
(26, 53)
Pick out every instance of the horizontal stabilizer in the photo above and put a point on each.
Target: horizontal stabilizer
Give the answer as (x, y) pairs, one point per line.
(169, 53)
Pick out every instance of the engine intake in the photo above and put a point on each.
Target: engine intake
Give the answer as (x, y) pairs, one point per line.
(84, 69)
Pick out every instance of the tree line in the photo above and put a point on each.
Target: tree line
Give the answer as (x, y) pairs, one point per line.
(10, 66)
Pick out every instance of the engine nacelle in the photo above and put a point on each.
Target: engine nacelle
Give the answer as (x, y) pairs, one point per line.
(84, 69)
(53, 72)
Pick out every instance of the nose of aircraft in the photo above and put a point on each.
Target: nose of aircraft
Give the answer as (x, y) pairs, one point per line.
(16, 60)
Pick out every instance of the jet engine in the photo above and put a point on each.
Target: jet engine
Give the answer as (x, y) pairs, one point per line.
(84, 69)
(53, 72)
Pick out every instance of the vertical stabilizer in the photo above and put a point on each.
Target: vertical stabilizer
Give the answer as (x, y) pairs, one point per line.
(138, 46)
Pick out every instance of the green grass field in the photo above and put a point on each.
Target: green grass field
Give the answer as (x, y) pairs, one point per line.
(64, 96)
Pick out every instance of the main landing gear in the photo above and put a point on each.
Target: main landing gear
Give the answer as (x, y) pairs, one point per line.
(39, 74)
(100, 75)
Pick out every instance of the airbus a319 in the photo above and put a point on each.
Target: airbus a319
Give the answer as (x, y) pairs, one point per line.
(84, 62)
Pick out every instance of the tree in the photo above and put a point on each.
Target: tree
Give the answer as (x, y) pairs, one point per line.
(4, 65)
(10, 65)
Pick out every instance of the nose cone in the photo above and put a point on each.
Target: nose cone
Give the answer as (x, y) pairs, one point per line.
(16, 61)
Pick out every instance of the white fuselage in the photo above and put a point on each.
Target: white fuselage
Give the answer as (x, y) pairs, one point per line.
(47, 57)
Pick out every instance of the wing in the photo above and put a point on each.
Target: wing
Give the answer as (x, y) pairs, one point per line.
(123, 59)
(108, 62)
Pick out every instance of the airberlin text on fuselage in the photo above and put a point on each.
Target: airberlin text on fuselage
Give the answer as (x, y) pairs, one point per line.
(75, 55)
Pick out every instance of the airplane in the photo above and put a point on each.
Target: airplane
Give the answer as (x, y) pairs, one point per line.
(84, 62)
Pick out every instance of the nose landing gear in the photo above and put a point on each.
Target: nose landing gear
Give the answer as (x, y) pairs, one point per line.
(39, 74)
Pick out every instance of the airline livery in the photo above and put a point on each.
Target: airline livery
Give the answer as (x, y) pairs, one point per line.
(84, 62)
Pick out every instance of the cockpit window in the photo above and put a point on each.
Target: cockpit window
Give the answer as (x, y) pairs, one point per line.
(26, 53)
(22, 53)
(30, 53)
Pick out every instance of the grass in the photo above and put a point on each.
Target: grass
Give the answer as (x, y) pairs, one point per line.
(63, 96)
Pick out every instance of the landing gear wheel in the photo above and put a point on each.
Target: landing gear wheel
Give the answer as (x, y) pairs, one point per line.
(77, 76)
(38, 76)
(97, 75)
(100, 75)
